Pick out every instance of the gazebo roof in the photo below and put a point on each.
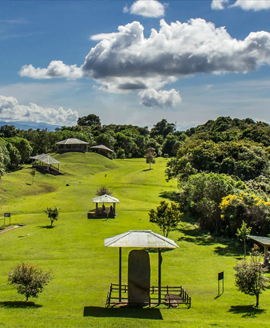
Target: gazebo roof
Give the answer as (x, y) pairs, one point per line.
(140, 238)
(102, 147)
(47, 159)
(105, 199)
(72, 141)
(261, 240)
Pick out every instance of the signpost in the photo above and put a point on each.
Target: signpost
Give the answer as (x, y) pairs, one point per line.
(221, 277)
(6, 215)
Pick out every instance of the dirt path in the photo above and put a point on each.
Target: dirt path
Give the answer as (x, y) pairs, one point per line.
(8, 229)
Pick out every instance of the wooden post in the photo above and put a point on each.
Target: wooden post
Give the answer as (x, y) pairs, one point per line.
(159, 275)
(120, 273)
(265, 251)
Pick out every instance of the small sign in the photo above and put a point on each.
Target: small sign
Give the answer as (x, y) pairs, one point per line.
(221, 275)
(7, 215)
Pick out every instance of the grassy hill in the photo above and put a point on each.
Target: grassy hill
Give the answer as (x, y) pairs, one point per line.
(83, 268)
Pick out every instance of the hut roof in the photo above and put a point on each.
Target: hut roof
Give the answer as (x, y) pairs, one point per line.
(47, 159)
(105, 199)
(72, 141)
(102, 147)
(140, 238)
(261, 240)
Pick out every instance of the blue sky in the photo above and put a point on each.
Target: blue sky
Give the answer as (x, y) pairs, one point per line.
(134, 62)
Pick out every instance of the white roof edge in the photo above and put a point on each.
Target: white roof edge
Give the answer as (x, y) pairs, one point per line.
(140, 241)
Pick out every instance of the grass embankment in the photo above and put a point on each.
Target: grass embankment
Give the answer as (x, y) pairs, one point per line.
(83, 268)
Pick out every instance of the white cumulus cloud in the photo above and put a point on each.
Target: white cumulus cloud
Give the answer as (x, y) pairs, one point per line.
(56, 68)
(149, 8)
(161, 99)
(218, 4)
(127, 61)
(11, 110)
(255, 5)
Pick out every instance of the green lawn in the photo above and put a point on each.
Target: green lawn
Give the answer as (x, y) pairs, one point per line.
(83, 268)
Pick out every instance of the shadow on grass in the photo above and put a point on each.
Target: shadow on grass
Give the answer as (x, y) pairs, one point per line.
(46, 227)
(246, 310)
(228, 247)
(147, 170)
(19, 305)
(197, 236)
(123, 312)
(171, 195)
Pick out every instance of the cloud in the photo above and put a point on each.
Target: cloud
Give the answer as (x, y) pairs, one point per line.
(150, 8)
(11, 110)
(255, 5)
(56, 68)
(126, 60)
(161, 99)
(218, 4)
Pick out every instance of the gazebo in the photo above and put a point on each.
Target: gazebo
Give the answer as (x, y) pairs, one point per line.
(103, 210)
(265, 242)
(40, 160)
(103, 150)
(72, 144)
(138, 287)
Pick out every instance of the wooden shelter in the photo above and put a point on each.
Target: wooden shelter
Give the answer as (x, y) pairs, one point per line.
(138, 287)
(108, 211)
(265, 242)
(103, 150)
(72, 144)
(46, 162)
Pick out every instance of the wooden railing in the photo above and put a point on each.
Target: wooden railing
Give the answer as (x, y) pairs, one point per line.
(171, 296)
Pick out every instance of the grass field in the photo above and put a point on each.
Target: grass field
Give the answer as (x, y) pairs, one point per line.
(83, 268)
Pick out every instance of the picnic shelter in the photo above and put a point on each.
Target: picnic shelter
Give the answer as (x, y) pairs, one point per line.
(137, 291)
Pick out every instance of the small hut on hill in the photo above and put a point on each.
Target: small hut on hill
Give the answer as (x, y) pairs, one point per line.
(103, 150)
(46, 163)
(104, 211)
(72, 144)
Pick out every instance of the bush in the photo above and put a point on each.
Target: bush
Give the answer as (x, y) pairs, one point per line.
(28, 279)
(249, 276)
(103, 190)
(52, 213)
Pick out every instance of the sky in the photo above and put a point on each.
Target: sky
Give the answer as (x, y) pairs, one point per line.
(134, 62)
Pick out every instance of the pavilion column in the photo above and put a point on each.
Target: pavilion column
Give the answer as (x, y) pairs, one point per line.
(159, 275)
(265, 251)
(120, 273)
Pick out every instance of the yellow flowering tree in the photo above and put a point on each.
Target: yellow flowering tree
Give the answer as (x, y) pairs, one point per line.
(248, 206)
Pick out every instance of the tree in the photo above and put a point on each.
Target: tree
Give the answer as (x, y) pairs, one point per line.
(150, 156)
(166, 217)
(242, 234)
(103, 190)
(200, 197)
(249, 205)
(249, 276)
(28, 279)
(33, 173)
(89, 120)
(52, 213)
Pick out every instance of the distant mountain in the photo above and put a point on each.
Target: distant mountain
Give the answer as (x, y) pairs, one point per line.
(30, 125)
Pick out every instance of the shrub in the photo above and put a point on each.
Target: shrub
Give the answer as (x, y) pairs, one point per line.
(103, 190)
(28, 279)
(52, 213)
